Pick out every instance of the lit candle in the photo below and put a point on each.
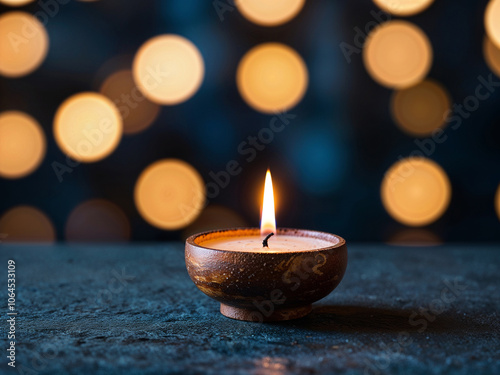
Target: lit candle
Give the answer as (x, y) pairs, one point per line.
(276, 244)
(266, 274)
(268, 240)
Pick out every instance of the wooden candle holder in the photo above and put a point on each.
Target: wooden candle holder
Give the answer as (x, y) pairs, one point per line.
(266, 286)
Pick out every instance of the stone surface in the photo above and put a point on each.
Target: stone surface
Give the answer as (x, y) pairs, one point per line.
(133, 310)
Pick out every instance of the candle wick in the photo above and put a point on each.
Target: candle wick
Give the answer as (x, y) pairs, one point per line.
(264, 243)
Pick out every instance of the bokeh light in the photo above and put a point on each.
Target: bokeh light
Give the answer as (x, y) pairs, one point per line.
(137, 112)
(23, 44)
(169, 194)
(97, 220)
(397, 54)
(492, 55)
(168, 69)
(414, 237)
(26, 224)
(87, 127)
(403, 7)
(269, 13)
(497, 201)
(416, 191)
(491, 21)
(214, 217)
(22, 144)
(15, 3)
(421, 109)
(272, 78)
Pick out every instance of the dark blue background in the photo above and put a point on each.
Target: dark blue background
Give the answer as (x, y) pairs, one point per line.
(327, 164)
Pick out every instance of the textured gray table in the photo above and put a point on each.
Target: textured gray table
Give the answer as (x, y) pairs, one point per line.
(133, 310)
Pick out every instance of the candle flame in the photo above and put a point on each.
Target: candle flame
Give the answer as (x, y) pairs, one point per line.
(268, 220)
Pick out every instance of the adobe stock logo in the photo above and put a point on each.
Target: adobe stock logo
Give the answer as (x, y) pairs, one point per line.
(360, 35)
(249, 148)
(49, 9)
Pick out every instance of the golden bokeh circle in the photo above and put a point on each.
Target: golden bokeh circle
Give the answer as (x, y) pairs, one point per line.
(492, 21)
(26, 224)
(87, 127)
(22, 144)
(497, 201)
(397, 54)
(421, 109)
(168, 69)
(23, 44)
(137, 112)
(403, 7)
(272, 78)
(492, 55)
(415, 237)
(15, 3)
(169, 194)
(416, 191)
(97, 220)
(269, 13)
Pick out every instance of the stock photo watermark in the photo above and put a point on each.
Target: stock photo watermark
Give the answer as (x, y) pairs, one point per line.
(249, 148)
(223, 6)
(11, 312)
(48, 9)
(300, 269)
(454, 119)
(92, 138)
(41, 357)
(116, 285)
(360, 35)
(127, 102)
(96, 134)
(421, 318)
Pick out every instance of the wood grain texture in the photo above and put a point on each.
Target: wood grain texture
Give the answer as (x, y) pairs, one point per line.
(266, 286)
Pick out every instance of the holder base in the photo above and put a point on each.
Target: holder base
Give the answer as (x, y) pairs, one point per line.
(254, 315)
